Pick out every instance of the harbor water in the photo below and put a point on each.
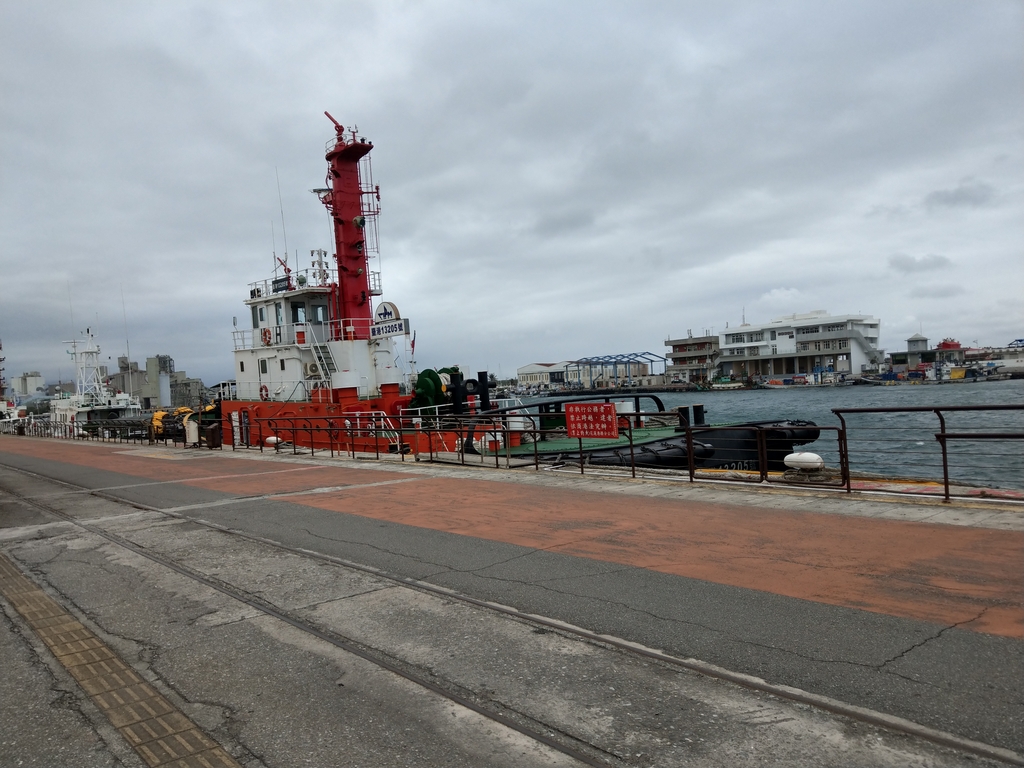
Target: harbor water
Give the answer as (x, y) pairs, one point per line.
(890, 444)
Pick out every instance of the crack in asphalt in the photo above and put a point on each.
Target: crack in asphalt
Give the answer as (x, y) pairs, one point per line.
(374, 547)
(936, 636)
(529, 553)
(192, 622)
(342, 598)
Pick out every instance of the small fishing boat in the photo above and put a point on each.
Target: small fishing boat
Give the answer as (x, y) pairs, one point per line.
(727, 383)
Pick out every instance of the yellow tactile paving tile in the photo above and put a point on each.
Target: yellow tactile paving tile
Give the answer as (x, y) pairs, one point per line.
(107, 682)
(99, 668)
(174, 747)
(58, 624)
(129, 696)
(135, 712)
(149, 723)
(75, 646)
(155, 728)
(88, 657)
(62, 634)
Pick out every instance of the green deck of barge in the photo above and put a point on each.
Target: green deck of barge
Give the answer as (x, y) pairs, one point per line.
(569, 444)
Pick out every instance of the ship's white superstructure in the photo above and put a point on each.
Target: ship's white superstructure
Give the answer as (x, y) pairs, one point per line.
(294, 348)
(92, 401)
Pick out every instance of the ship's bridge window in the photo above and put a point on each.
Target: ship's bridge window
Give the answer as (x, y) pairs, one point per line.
(298, 312)
(279, 312)
(255, 317)
(263, 365)
(318, 313)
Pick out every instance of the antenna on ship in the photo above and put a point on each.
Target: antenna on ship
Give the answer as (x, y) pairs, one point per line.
(273, 244)
(284, 231)
(71, 309)
(127, 346)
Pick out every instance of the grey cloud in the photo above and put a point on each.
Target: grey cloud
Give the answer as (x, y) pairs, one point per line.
(901, 262)
(936, 291)
(967, 194)
(559, 224)
(891, 212)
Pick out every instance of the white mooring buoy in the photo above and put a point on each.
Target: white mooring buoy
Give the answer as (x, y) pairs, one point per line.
(272, 440)
(808, 462)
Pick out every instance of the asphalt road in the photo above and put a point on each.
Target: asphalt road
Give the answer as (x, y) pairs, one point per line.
(966, 682)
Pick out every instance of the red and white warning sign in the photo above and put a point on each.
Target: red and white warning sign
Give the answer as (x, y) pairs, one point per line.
(591, 420)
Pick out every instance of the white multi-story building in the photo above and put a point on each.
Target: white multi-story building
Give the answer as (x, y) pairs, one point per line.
(813, 342)
(693, 358)
(28, 384)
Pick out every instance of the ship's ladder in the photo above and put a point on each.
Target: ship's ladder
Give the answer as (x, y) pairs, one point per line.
(387, 430)
(322, 355)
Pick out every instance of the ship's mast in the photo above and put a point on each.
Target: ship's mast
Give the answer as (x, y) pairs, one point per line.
(352, 302)
(3, 382)
(87, 369)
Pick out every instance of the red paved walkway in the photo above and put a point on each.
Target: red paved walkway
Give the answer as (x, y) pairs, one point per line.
(945, 574)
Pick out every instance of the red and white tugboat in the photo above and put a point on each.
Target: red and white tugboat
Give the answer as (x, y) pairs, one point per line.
(318, 349)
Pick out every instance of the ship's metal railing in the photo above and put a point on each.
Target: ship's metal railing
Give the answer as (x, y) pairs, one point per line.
(303, 334)
(339, 435)
(310, 277)
(982, 455)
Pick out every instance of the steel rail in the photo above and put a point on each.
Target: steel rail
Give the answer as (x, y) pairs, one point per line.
(940, 412)
(789, 693)
(943, 436)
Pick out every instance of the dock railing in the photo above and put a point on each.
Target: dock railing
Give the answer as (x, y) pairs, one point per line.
(984, 451)
(947, 451)
(524, 440)
(107, 431)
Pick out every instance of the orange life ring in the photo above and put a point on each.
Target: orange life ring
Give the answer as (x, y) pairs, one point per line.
(265, 337)
(264, 392)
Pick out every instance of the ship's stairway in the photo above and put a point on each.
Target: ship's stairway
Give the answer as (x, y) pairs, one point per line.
(392, 435)
(324, 364)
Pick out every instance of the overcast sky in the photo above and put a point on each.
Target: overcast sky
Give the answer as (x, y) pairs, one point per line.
(558, 180)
